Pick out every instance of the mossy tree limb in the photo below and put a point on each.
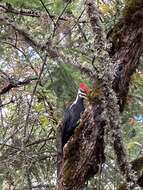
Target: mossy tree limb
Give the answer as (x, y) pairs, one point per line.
(85, 151)
(137, 165)
(81, 156)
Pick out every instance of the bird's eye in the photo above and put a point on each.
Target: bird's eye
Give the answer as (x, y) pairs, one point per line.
(82, 91)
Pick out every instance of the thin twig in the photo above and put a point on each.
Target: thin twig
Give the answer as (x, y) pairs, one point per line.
(72, 26)
(14, 84)
(34, 90)
(47, 12)
(63, 11)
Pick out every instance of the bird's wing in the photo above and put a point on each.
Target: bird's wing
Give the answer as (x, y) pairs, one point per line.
(67, 117)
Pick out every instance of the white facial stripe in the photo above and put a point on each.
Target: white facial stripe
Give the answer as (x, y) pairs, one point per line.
(82, 93)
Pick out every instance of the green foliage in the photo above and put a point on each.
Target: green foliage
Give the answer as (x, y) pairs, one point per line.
(28, 123)
(58, 6)
(34, 4)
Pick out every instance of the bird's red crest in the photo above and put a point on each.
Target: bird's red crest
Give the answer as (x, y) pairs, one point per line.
(84, 87)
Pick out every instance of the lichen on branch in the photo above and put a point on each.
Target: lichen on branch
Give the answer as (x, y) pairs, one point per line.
(106, 112)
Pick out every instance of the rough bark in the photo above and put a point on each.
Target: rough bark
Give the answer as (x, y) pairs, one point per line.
(59, 147)
(15, 83)
(83, 156)
(84, 153)
(137, 165)
(129, 35)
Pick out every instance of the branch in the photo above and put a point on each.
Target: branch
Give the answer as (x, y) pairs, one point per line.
(106, 76)
(137, 165)
(84, 153)
(40, 141)
(8, 8)
(82, 68)
(27, 37)
(38, 186)
(15, 83)
(52, 52)
(7, 103)
(131, 56)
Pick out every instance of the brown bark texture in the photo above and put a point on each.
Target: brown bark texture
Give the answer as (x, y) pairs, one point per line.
(84, 153)
(137, 165)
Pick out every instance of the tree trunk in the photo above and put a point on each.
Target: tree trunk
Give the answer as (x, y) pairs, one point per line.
(84, 153)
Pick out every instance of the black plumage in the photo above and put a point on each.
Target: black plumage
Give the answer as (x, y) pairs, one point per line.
(71, 118)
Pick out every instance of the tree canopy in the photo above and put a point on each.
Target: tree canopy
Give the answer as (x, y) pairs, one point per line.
(47, 48)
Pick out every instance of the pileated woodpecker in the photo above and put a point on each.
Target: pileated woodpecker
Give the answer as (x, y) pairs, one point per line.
(73, 112)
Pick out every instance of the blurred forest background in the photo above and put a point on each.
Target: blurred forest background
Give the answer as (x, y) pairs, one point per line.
(36, 87)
